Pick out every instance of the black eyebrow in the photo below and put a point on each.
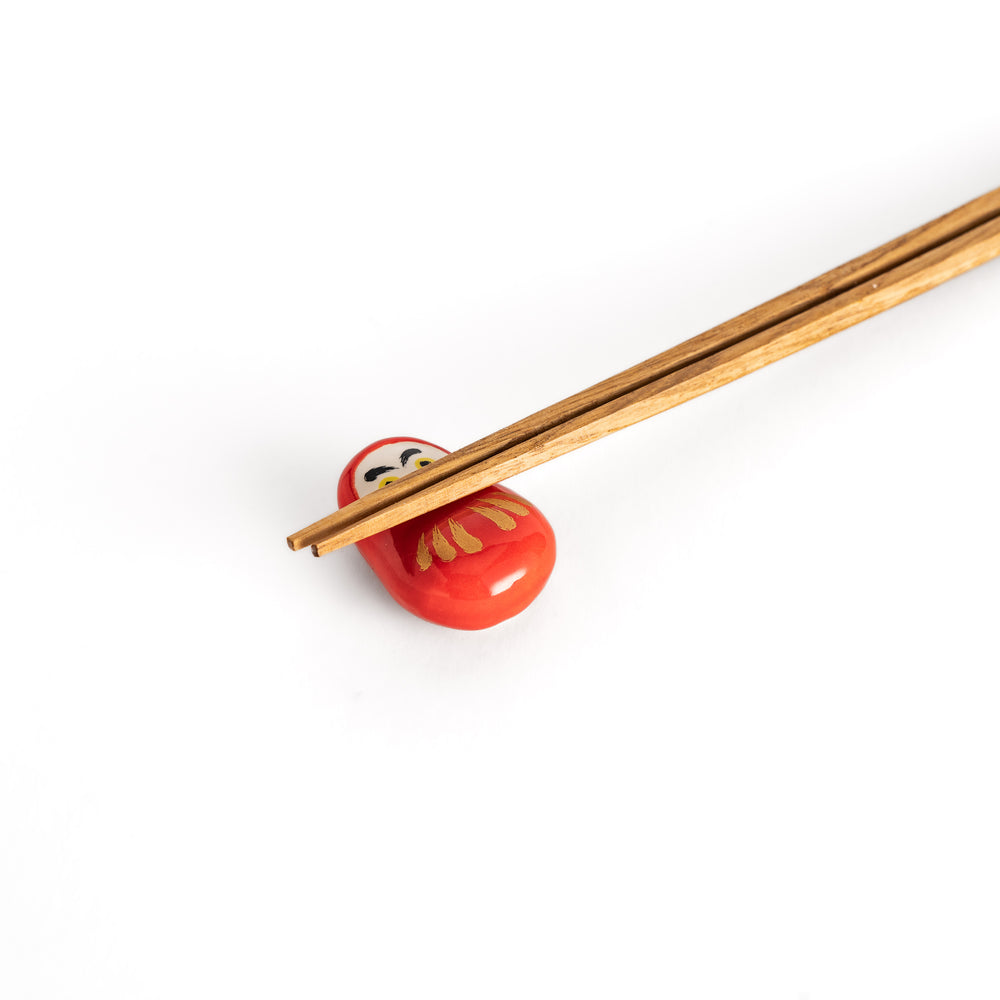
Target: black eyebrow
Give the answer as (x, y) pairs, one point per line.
(372, 474)
(408, 454)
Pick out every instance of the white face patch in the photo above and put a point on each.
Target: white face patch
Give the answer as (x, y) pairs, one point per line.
(386, 464)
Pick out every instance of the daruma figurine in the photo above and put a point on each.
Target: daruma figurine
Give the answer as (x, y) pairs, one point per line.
(468, 565)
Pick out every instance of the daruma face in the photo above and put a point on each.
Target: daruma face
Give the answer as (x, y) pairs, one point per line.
(470, 564)
(388, 462)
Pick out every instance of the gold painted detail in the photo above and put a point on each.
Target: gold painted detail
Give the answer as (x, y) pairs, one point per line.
(424, 558)
(442, 546)
(465, 541)
(499, 512)
(507, 496)
(512, 505)
(503, 521)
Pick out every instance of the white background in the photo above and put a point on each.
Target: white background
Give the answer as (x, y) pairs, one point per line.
(745, 744)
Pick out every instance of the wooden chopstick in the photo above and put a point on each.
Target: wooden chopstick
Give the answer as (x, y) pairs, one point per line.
(869, 284)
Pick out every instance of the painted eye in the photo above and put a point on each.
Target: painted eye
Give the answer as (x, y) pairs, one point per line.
(385, 480)
(421, 462)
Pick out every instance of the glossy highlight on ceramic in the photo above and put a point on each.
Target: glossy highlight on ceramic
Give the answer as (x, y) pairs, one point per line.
(470, 564)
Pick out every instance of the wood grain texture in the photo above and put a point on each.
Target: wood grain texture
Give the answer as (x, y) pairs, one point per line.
(775, 342)
(839, 298)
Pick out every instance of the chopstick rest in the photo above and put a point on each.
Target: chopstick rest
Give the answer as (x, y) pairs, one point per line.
(470, 564)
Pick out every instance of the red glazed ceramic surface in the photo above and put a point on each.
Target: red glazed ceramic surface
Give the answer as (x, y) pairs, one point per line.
(468, 565)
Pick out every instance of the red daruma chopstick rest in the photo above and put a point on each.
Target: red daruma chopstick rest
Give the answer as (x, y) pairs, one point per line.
(470, 564)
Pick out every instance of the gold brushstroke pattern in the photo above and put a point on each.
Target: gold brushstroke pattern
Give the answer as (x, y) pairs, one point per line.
(424, 558)
(503, 521)
(506, 496)
(512, 506)
(465, 541)
(442, 546)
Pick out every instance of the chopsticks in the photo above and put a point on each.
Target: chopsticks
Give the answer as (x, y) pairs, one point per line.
(884, 277)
